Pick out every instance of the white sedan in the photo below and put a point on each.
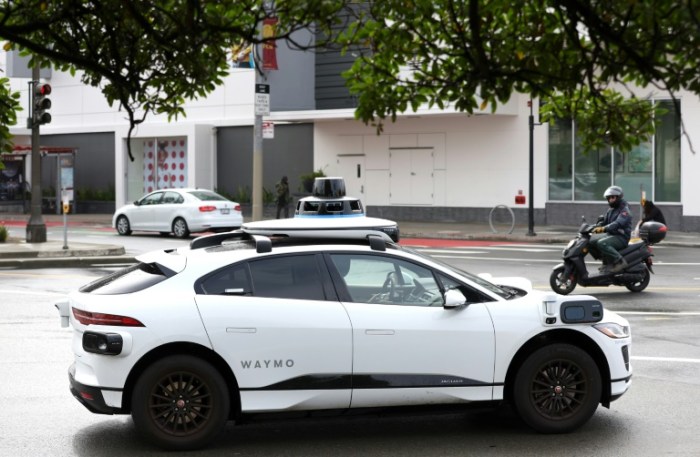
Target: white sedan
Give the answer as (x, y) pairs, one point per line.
(178, 211)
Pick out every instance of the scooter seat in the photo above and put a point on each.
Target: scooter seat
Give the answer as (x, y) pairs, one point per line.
(632, 247)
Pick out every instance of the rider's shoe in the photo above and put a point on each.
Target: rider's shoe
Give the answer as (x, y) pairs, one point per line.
(618, 266)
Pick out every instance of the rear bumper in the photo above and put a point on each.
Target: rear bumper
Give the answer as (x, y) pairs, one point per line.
(89, 396)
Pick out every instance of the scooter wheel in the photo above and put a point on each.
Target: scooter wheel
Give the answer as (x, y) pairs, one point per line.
(639, 285)
(560, 284)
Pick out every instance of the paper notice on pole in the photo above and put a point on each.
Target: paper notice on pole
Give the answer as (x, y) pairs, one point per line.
(268, 130)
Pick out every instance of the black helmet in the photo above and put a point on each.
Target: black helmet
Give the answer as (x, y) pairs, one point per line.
(614, 191)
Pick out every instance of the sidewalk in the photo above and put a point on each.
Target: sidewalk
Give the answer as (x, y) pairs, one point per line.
(16, 253)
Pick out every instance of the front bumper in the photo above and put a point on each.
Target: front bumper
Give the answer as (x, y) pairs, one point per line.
(89, 396)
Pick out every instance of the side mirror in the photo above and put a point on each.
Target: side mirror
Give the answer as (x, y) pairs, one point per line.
(137, 202)
(454, 298)
(600, 219)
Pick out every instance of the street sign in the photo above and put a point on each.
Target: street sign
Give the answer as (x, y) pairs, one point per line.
(262, 99)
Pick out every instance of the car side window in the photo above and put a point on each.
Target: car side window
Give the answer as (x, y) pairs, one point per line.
(388, 281)
(172, 197)
(233, 280)
(152, 199)
(472, 295)
(294, 277)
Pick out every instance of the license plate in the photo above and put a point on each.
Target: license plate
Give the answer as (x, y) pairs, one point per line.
(225, 210)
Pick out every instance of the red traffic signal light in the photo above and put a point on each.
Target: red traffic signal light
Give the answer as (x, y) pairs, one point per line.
(41, 104)
(43, 89)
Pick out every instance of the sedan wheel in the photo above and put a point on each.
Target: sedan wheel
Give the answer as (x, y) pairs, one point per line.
(180, 403)
(123, 226)
(180, 228)
(557, 389)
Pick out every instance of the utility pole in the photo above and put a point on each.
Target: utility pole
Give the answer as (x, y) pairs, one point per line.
(262, 107)
(36, 228)
(531, 189)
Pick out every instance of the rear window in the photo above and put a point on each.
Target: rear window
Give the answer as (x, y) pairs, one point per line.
(128, 280)
(207, 195)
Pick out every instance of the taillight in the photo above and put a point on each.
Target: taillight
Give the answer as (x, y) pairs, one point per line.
(207, 209)
(88, 318)
(237, 208)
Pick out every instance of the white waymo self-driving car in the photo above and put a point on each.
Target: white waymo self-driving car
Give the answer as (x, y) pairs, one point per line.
(278, 317)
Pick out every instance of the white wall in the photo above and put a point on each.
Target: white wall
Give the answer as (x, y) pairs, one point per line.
(478, 161)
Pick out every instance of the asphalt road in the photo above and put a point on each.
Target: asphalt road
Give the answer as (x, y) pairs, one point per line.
(658, 416)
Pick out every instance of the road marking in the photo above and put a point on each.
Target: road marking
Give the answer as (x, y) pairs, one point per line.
(33, 292)
(665, 359)
(37, 275)
(660, 313)
(499, 259)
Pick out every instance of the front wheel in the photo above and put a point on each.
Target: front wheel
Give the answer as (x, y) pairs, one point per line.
(640, 285)
(180, 403)
(561, 284)
(557, 389)
(123, 226)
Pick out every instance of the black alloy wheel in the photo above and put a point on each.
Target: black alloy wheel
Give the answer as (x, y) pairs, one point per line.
(557, 389)
(180, 403)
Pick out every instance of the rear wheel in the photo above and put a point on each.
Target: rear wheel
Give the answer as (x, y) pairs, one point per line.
(560, 283)
(557, 389)
(180, 403)
(180, 228)
(640, 285)
(123, 226)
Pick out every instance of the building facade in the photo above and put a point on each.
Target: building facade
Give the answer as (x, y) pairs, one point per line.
(428, 165)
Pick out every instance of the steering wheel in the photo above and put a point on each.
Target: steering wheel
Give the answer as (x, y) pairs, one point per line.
(417, 291)
(389, 285)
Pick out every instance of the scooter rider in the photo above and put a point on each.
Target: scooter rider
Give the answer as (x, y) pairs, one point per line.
(617, 229)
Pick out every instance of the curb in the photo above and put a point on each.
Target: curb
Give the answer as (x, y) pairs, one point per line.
(65, 262)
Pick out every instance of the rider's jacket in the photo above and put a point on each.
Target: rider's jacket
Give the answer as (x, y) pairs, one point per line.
(618, 221)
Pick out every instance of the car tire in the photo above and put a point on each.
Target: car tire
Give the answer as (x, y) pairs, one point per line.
(640, 285)
(561, 285)
(180, 403)
(180, 229)
(123, 226)
(557, 389)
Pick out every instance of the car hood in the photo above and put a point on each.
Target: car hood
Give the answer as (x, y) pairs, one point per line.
(509, 281)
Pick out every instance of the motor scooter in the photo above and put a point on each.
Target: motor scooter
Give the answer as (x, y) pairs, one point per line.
(635, 277)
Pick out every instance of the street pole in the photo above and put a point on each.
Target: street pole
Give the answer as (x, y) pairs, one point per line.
(258, 141)
(36, 229)
(531, 189)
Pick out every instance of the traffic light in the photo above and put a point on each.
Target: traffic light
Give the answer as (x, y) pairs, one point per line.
(41, 104)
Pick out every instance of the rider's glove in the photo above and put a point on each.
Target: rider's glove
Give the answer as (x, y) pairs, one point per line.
(599, 230)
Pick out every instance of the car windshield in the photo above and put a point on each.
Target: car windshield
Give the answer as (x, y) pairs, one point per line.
(207, 195)
(472, 277)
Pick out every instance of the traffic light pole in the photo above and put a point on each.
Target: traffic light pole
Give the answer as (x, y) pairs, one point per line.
(36, 228)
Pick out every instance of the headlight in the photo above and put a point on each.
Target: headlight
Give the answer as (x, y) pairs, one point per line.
(613, 330)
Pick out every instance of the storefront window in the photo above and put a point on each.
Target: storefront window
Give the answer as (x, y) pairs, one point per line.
(652, 167)
(667, 155)
(560, 169)
(592, 173)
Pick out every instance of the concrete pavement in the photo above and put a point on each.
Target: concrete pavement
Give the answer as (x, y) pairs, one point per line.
(16, 253)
